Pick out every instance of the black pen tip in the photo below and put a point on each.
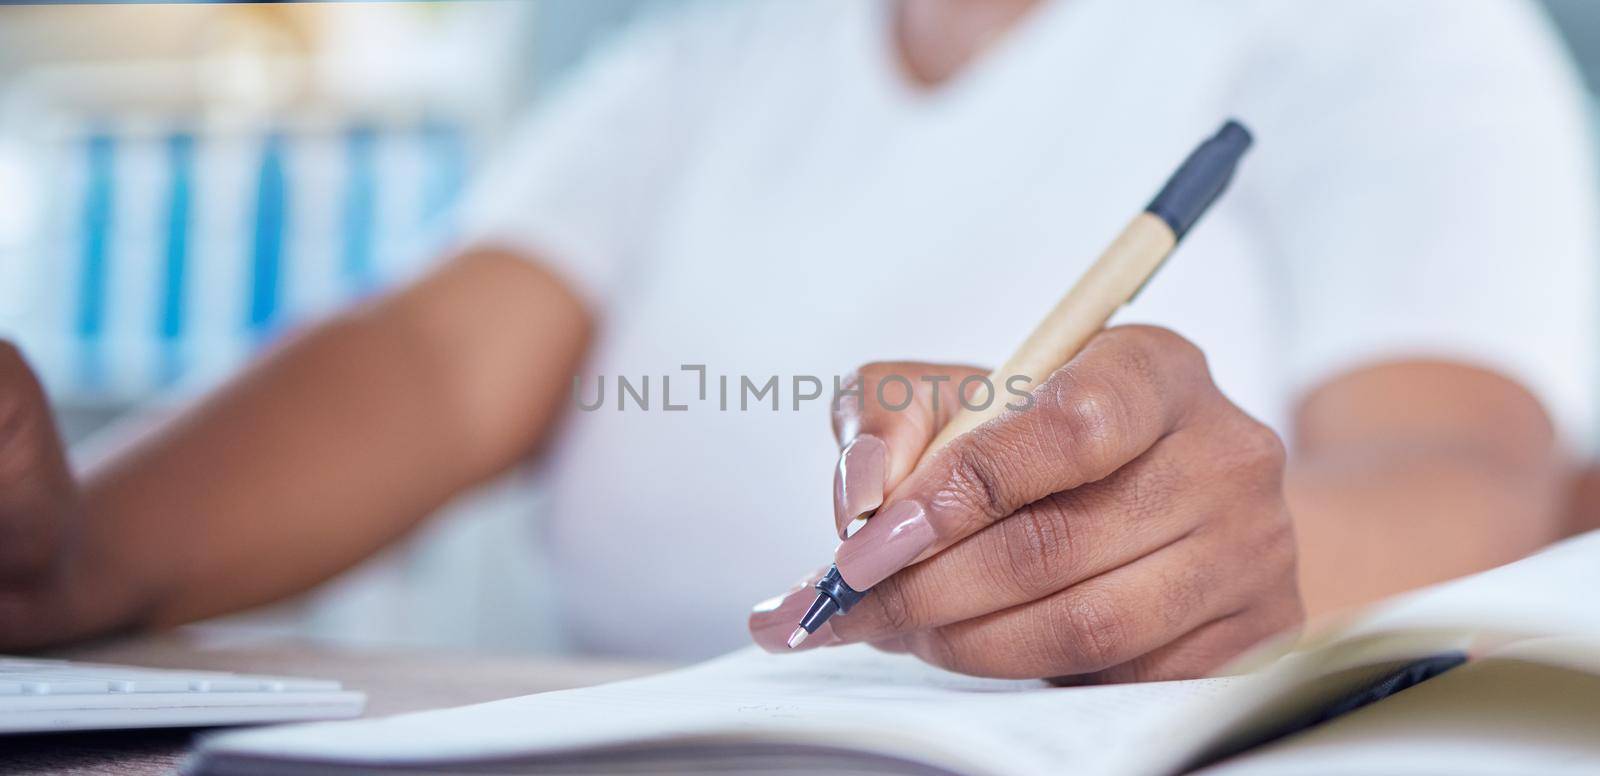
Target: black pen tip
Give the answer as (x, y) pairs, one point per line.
(820, 612)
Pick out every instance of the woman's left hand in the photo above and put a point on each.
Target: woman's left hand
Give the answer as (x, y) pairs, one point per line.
(1130, 525)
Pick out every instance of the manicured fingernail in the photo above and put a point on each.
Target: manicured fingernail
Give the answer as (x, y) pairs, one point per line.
(891, 539)
(858, 482)
(773, 620)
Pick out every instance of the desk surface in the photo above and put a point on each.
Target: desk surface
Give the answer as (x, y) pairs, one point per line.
(394, 681)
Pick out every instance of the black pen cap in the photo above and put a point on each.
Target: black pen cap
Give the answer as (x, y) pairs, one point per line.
(1201, 179)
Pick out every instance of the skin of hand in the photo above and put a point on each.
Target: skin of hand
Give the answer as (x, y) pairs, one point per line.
(1403, 474)
(40, 510)
(1130, 525)
(332, 446)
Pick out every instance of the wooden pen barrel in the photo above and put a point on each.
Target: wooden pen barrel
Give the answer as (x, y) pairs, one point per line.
(1114, 278)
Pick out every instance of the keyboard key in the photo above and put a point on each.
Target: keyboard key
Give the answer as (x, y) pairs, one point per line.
(234, 684)
(153, 684)
(276, 684)
(64, 685)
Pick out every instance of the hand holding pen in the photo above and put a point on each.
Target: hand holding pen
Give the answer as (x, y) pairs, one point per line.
(1129, 525)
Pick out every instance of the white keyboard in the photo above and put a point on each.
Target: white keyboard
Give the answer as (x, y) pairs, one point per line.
(50, 695)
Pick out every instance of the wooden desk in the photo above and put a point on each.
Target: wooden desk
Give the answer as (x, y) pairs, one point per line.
(394, 681)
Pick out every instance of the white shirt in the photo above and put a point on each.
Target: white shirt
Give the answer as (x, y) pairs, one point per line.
(758, 188)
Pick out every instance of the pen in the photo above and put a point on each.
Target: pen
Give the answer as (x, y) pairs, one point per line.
(1112, 281)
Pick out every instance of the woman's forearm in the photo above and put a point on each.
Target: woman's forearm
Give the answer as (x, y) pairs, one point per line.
(1412, 473)
(330, 447)
(1374, 525)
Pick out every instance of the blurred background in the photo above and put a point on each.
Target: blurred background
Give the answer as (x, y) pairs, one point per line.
(182, 184)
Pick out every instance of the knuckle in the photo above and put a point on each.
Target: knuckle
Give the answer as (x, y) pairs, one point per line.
(1185, 593)
(1036, 549)
(1254, 453)
(1138, 359)
(1152, 487)
(1270, 573)
(1090, 411)
(1089, 414)
(1156, 355)
(976, 483)
(1263, 447)
(1091, 628)
(1187, 355)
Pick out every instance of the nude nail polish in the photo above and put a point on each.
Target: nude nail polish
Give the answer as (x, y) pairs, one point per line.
(890, 540)
(858, 482)
(773, 620)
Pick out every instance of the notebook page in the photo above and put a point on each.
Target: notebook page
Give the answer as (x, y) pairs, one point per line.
(1524, 709)
(1549, 592)
(851, 697)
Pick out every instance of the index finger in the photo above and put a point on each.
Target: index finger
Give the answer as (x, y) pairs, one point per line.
(884, 418)
(1128, 388)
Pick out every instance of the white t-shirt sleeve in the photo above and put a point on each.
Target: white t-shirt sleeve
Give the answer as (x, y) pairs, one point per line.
(582, 181)
(1424, 170)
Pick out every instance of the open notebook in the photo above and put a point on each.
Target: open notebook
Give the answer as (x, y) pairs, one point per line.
(853, 710)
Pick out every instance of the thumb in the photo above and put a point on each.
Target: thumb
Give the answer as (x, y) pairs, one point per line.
(884, 418)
